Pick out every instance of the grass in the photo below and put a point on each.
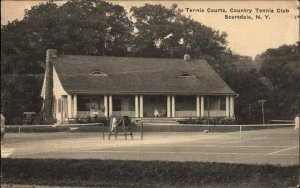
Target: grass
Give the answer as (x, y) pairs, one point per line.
(108, 173)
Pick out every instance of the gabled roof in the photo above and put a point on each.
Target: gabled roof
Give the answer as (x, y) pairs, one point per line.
(131, 75)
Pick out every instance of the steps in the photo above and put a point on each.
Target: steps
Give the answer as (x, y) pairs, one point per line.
(160, 121)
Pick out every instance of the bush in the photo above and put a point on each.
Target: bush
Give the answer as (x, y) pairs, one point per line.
(96, 119)
(16, 121)
(38, 119)
(205, 120)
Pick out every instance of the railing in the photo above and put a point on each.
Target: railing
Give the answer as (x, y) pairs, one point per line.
(212, 113)
(185, 113)
(215, 113)
(84, 114)
(124, 113)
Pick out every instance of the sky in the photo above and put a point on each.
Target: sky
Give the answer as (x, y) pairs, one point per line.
(245, 36)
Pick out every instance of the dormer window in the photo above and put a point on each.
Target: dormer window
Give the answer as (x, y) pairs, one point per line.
(98, 73)
(186, 75)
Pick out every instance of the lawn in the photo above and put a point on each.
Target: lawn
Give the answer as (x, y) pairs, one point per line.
(108, 173)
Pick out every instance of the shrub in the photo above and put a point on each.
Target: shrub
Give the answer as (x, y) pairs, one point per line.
(206, 120)
(38, 119)
(95, 119)
(16, 121)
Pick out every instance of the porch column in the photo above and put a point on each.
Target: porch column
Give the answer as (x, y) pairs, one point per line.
(105, 106)
(72, 106)
(227, 106)
(198, 106)
(141, 106)
(110, 104)
(173, 106)
(231, 106)
(168, 106)
(75, 106)
(61, 108)
(202, 107)
(69, 106)
(136, 106)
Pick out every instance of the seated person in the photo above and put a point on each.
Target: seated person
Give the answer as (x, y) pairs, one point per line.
(156, 113)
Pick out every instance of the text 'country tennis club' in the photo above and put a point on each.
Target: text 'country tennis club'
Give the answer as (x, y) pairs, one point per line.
(234, 10)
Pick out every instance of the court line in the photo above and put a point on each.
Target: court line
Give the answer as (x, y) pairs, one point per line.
(237, 141)
(218, 146)
(283, 150)
(240, 154)
(99, 149)
(190, 152)
(151, 152)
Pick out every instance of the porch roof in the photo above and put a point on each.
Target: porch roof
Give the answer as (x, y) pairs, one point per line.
(131, 75)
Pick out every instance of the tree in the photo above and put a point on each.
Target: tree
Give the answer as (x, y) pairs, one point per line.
(20, 73)
(281, 67)
(164, 32)
(250, 88)
(95, 27)
(77, 27)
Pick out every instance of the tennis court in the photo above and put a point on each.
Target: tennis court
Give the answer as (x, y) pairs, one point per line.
(276, 146)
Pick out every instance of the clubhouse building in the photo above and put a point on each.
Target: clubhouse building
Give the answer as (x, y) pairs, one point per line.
(88, 86)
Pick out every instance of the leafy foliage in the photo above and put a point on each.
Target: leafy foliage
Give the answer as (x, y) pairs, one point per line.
(250, 89)
(95, 27)
(281, 67)
(163, 32)
(77, 27)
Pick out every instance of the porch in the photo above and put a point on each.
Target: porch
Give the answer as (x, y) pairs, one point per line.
(143, 106)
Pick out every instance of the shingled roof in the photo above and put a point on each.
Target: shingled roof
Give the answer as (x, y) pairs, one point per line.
(130, 75)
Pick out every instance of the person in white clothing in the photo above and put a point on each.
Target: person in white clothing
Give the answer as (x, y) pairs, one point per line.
(156, 113)
(2, 128)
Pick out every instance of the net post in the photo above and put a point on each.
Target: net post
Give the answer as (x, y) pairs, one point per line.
(142, 132)
(116, 131)
(240, 132)
(103, 136)
(124, 128)
(19, 129)
(109, 128)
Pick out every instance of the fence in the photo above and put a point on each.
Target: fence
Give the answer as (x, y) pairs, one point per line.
(241, 127)
(141, 126)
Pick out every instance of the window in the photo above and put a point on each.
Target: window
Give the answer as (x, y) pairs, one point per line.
(83, 104)
(98, 73)
(215, 103)
(59, 105)
(131, 103)
(223, 102)
(117, 104)
(185, 103)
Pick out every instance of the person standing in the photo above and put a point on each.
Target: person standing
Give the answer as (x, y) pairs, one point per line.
(2, 128)
(297, 122)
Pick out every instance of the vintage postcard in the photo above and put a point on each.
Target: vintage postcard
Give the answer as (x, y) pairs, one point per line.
(150, 93)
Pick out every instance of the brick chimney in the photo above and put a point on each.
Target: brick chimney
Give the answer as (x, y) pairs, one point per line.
(51, 53)
(48, 101)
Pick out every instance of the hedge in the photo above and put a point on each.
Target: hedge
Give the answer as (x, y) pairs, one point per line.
(105, 173)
